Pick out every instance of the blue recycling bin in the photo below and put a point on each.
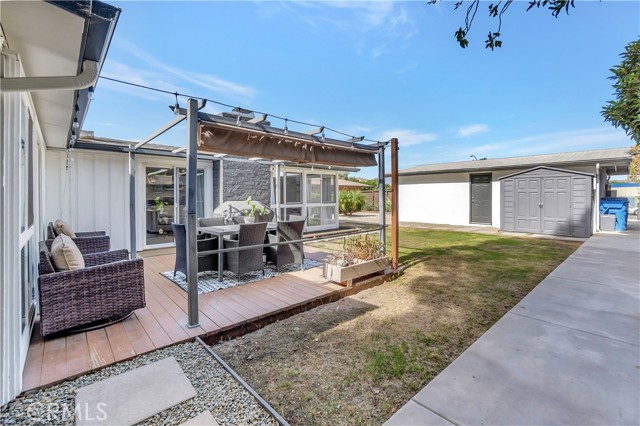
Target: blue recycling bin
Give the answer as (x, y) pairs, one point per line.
(617, 206)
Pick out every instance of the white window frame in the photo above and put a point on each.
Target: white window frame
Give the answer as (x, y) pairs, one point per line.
(305, 204)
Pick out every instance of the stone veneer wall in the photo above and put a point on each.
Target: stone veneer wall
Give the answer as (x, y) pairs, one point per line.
(242, 180)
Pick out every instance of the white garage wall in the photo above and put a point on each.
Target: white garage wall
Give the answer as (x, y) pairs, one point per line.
(444, 198)
(92, 194)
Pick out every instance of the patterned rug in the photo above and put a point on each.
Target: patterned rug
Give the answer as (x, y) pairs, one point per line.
(208, 281)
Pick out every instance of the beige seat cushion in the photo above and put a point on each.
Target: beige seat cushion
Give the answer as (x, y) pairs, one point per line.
(65, 255)
(62, 227)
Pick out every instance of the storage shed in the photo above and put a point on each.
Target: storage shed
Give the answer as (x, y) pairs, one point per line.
(555, 194)
(545, 200)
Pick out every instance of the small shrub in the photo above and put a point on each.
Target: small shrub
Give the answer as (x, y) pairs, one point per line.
(357, 249)
(387, 204)
(350, 202)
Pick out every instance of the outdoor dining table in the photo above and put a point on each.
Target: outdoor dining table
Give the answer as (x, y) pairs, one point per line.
(220, 232)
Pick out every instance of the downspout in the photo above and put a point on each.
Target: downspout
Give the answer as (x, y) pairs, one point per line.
(597, 194)
(85, 79)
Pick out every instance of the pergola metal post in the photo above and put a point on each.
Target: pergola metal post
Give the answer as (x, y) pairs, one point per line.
(132, 204)
(381, 198)
(395, 229)
(192, 248)
(277, 194)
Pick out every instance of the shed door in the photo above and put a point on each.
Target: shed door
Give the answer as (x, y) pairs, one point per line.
(481, 199)
(528, 205)
(556, 205)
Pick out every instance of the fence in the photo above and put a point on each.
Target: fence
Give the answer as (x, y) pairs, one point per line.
(373, 197)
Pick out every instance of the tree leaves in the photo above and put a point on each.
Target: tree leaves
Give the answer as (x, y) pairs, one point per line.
(497, 10)
(624, 110)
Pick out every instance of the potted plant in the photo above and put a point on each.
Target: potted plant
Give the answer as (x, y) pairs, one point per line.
(160, 204)
(360, 256)
(250, 215)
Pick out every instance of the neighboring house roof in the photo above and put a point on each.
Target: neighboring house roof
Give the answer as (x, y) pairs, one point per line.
(350, 184)
(563, 158)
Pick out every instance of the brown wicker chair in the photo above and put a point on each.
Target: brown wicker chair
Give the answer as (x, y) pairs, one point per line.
(286, 254)
(241, 262)
(107, 290)
(87, 242)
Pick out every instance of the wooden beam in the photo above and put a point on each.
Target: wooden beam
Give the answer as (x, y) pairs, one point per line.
(395, 229)
(381, 201)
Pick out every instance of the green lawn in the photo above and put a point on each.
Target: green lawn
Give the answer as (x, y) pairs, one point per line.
(358, 360)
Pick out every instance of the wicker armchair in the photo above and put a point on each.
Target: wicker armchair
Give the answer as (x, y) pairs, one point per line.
(286, 254)
(87, 242)
(107, 290)
(206, 262)
(241, 262)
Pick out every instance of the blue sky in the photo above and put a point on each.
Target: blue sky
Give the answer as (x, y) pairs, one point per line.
(375, 69)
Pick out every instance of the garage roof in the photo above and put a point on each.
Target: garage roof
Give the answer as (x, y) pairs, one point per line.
(604, 156)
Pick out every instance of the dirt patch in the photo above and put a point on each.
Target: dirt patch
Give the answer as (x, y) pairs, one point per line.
(358, 360)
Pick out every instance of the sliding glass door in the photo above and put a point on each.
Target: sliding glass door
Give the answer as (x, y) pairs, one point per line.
(166, 200)
(182, 194)
(160, 203)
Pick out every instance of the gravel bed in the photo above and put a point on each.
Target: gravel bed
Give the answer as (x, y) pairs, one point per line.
(218, 392)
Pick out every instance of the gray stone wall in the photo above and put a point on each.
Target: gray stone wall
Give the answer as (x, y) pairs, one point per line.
(216, 183)
(242, 180)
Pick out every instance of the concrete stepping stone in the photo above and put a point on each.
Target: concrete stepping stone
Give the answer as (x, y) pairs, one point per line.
(203, 419)
(134, 396)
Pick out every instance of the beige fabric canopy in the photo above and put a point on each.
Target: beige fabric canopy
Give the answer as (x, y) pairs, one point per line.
(259, 141)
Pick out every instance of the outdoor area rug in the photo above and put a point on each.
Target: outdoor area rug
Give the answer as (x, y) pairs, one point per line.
(208, 281)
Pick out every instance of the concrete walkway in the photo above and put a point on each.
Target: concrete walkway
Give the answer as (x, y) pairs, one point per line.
(568, 353)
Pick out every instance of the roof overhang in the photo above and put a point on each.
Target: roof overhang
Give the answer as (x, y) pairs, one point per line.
(620, 164)
(54, 38)
(553, 169)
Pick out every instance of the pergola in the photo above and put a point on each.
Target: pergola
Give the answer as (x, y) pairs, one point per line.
(219, 136)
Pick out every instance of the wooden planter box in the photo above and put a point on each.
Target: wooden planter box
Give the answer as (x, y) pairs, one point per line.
(346, 274)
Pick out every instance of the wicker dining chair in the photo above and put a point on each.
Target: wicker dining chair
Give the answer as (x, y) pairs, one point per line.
(206, 262)
(87, 242)
(107, 290)
(286, 254)
(243, 261)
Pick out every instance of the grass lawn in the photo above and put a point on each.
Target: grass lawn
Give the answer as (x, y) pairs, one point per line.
(358, 360)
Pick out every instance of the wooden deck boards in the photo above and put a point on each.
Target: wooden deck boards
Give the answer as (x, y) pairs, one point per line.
(164, 321)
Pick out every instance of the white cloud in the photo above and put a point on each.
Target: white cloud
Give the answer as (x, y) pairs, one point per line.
(547, 143)
(369, 22)
(210, 82)
(562, 141)
(408, 137)
(473, 129)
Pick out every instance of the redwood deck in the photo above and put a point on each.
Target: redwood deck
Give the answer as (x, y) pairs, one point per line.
(163, 321)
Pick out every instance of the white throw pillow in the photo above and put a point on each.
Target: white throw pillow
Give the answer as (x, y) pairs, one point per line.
(65, 255)
(62, 227)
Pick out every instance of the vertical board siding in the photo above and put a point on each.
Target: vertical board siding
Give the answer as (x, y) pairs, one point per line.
(92, 194)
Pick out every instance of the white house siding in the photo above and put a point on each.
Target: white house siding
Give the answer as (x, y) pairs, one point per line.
(444, 198)
(91, 193)
(441, 199)
(14, 335)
